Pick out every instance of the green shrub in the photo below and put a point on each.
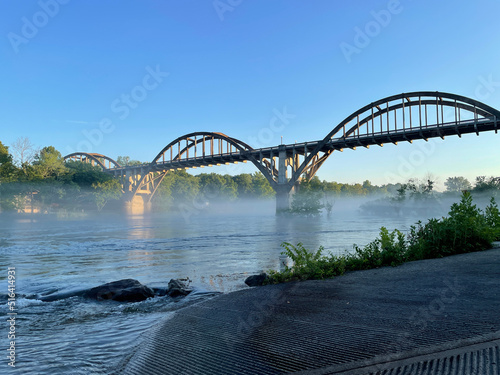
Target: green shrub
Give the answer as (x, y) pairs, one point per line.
(465, 229)
(492, 216)
(387, 250)
(307, 265)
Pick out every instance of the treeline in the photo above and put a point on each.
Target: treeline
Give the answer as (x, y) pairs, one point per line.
(180, 186)
(45, 183)
(419, 197)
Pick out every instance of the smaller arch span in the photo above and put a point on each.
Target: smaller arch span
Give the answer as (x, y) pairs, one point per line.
(207, 148)
(105, 162)
(200, 144)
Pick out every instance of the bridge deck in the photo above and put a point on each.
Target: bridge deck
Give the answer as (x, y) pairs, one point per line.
(363, 140)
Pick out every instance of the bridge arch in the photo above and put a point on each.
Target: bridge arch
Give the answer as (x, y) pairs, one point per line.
(402, 117)
(102, 161)
(214, 147)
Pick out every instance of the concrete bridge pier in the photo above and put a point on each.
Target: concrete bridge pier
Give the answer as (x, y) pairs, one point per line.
(138, 205)
(282, 199)
(282, 188)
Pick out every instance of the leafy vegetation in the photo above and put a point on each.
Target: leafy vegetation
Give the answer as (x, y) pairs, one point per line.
(180, 186)
(44, 182)
(308, 199)
(465, 229)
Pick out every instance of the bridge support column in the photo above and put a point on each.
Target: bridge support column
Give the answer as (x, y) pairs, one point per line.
(282, 199)
(137, 205)
(282, 189)
(126, 180)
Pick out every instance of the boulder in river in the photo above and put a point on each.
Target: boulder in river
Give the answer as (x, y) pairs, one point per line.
(126, 290)
(178, 288)
(256, 280)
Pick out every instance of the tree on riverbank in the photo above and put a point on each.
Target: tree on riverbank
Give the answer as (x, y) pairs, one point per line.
(308, 199)
(457, 184)
(8, 170)
(48, 184)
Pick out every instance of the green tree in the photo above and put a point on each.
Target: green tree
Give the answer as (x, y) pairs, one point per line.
(8, 171)
(307, 200)
(177, 186)
(49, 163)
(352, 190)
(332, 188)
(261, 187)
(126, 161)
(106, 191)
(414, 189)
(84, 174)
(244, 185)
(214, 186)
(457, 184)
(484, 184)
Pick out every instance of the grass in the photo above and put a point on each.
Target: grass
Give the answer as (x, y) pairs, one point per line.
(465, 229)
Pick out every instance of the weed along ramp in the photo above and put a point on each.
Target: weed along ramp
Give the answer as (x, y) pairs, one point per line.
(363, 322)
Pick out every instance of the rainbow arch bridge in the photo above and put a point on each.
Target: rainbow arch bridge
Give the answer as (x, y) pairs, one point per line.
(399, 118)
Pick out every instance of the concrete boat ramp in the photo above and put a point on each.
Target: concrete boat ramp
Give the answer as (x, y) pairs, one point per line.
(439, 316)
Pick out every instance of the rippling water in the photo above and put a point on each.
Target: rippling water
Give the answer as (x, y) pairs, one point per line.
(216, 251)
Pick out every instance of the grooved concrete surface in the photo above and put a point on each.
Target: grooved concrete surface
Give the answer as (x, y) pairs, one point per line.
(438, 316)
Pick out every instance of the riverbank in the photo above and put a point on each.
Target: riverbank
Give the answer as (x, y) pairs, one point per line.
(424, 314)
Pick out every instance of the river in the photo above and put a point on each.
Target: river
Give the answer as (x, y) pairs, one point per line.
(216, 249)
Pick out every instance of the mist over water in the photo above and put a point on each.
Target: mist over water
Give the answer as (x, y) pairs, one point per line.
(216, 246)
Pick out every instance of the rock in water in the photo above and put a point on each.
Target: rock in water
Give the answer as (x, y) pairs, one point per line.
(256, 280)
(127, 290)
(177, 288)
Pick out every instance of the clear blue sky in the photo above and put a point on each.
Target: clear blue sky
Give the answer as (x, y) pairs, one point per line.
(65, 66)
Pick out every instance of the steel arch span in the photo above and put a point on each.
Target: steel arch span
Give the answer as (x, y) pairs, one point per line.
(198, 149)
(202, 149)
(102, 161)
(403, 117)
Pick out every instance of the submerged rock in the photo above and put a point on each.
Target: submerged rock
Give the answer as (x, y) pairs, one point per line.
(57, 296)
(126, 290)
(178, 288)
(160, 292)
(256, 280)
